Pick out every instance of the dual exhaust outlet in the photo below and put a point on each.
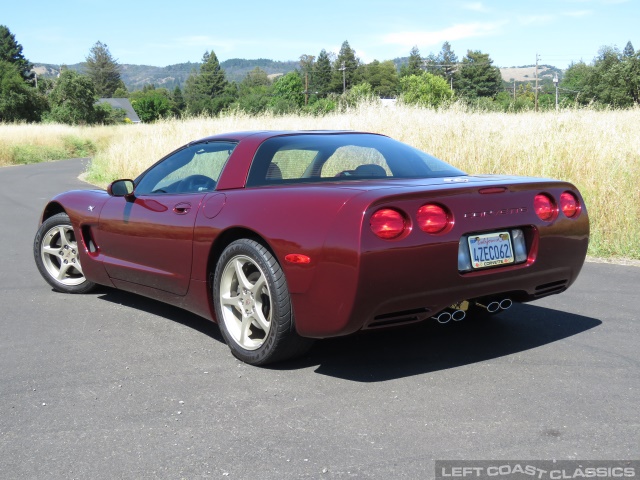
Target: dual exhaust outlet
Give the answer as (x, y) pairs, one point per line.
(458, 314)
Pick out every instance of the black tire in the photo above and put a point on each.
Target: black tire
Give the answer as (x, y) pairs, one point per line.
(55, 250)
(253, 306)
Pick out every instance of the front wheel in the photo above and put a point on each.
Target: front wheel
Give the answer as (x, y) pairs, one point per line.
(55, 250)
(253, 306)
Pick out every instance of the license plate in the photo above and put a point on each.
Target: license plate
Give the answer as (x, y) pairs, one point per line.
(490, 249)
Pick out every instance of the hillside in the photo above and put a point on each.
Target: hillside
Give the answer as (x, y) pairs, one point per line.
(136, 76)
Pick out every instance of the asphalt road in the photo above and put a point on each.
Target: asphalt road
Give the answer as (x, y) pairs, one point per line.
(111, 385)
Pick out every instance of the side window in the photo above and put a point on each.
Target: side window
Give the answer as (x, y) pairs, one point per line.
(290, 164)
(355, 161)
(193, 169)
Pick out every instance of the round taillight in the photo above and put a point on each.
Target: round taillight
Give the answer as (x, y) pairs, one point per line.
(569, 204)
(387, 223)
(544, 206)
(432, 218)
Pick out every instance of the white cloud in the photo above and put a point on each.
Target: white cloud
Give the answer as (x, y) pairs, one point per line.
(475, 7)
(455, 32)
(535, 19)
(578, 13)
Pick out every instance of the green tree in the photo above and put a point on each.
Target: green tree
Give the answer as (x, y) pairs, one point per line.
(178, 105)
(628, 51)
(613, 78)
(11, 52)
(73, 99)
(345, 69)
(575, 81)
(121, 92)
(477, 77)
(321, 80)
(207, 91)
(382, 77)
(413, 65)
(103, 70)
(288, 93)
(254, 92)
(151, 104)
(18, 100)
(447, 61)
(426, 90)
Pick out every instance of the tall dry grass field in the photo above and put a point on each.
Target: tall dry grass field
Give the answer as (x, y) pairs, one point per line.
(597, 151)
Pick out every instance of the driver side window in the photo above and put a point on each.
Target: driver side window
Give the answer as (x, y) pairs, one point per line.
(193, 169)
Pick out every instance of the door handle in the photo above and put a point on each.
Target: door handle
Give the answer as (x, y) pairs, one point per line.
(182, 208)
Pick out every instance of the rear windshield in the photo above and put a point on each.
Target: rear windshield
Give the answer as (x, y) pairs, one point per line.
(341, 157)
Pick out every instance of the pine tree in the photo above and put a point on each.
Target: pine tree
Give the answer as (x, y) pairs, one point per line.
(477, 77)
(322, 74)
(177, 99)
(345, 69)
(103, 70)
(628, 51)
(447, 60)
(207, 90)
(413, 65)
(11, 52)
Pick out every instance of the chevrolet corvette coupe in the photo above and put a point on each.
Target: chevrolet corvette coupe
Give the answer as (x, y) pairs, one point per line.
(285, 237)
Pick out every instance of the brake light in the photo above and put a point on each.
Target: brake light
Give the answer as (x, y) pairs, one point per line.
(544, 207)
(433, 218)
(387, 223)
(569, 204)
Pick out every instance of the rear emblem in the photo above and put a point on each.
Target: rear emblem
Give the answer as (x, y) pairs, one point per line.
(90, 208)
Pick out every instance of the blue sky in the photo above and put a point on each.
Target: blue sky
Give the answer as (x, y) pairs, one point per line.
(164, 33)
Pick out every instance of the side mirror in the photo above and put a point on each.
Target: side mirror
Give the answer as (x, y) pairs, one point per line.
(120, 188)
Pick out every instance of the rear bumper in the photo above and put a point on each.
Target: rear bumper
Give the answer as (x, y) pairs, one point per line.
(390, 286)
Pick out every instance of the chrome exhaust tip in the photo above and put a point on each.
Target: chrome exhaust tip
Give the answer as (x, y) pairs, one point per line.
(506, 304)
(458, 315)
(443, 317)
(492, 307)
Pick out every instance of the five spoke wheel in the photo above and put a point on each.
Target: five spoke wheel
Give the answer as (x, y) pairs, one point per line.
(56, 252)
(246, 302)
(253, 306)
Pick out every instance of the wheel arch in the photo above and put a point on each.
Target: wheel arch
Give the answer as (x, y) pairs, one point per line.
(226, 238)
(52, 208)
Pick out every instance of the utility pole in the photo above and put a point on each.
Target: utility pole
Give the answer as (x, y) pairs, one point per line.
(306, 88)
(555, 82)
(536, 82)
(344, 77)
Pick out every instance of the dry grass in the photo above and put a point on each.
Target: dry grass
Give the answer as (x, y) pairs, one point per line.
(598, 151)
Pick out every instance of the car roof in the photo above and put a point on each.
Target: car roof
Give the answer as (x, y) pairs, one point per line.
(264, 134)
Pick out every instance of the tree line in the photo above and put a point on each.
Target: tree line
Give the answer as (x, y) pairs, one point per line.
(321, 84)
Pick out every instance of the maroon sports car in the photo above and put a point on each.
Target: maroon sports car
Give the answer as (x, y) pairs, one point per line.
(283, 237)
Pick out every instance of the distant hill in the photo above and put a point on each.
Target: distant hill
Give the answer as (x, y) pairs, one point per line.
(527, 73)
(136, 76)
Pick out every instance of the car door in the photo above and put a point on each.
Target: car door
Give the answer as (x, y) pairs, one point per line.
(147, 237)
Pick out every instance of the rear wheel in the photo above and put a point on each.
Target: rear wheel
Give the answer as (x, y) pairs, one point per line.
(55, 250)
(253, 305)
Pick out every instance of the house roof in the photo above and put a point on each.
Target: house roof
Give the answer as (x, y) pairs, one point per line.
(124, 104)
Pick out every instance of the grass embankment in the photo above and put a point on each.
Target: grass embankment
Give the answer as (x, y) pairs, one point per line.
(21, 144)
(598, 151)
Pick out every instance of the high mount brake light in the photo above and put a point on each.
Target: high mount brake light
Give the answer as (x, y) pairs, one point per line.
(387, 223)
